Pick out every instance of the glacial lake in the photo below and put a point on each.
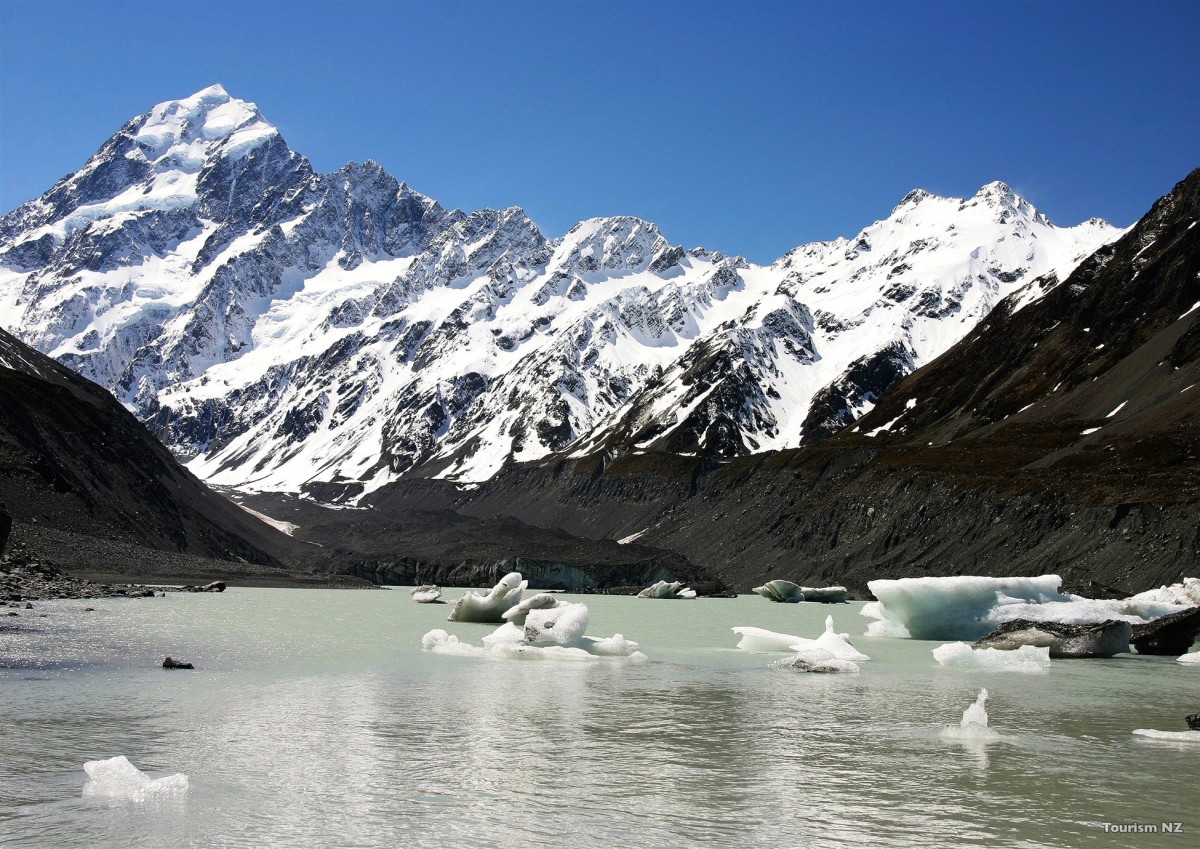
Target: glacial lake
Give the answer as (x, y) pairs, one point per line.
(314, 719)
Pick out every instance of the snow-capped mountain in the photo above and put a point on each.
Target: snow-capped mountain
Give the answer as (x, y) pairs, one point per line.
(280, 328)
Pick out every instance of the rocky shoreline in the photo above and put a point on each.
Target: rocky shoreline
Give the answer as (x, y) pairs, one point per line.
(23, 581)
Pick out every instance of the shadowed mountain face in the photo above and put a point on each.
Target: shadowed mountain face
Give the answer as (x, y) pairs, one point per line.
(1061, 435)
(74, 462)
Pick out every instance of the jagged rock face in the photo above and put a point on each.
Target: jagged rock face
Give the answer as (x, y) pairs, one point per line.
(288, 330)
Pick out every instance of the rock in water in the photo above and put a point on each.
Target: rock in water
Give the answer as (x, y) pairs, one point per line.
(1170, 634)
(172, 663)
(1193, 721)
(1101, 639)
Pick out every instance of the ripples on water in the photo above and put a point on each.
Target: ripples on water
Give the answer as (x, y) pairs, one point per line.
(314, 719)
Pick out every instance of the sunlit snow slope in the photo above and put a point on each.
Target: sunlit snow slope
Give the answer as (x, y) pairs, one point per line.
(280, 328)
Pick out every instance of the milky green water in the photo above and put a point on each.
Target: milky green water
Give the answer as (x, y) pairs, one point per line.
(314, 719)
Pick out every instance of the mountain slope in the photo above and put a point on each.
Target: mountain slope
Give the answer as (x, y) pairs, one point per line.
(287, 330)
(77, 466)
(1060, 435)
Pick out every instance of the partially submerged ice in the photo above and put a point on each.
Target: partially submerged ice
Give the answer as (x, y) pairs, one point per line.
(781, 591)
(974, 723)
(426, 593)
(546, 631)
(1190, 659)
(1022, 659)
(117, 778)
(815, 660)
(662, 589)
(1169, 736)
(789, 593)
(837, 645)
(473, 607)
(968, 607)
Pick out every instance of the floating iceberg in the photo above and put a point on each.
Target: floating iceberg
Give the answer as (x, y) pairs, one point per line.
(1190, 659)
(473, 607)
(781, 591)
(1186, 593)
(426, 593)
(825, 595)
(1023, 659)
(761, 640)
(662, 589)
(118, 778)
(968, 607)
(815, 660)
(974, 723)
(548, 632)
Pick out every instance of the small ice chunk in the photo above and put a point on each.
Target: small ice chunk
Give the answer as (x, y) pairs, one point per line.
(815, 660)
(1169, 736)
(974, 723)
(662, 589)
(1023, 659)
(426, 593)
(614, 646)
(473, 607)
(118, 778)
(762, 640)
(1190, 659)
(781, 591)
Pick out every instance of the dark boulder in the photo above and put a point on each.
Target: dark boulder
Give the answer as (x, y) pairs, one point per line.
(172, 663)
(1097, 639)
(1172, 634)
(214, 587)
(1193, 721)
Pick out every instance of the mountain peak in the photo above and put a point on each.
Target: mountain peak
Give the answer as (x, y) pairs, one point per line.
(210, 115)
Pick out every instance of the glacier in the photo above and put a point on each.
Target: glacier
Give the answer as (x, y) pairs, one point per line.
(286, 330)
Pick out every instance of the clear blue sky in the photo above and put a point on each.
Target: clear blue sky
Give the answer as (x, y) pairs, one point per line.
(747, 127)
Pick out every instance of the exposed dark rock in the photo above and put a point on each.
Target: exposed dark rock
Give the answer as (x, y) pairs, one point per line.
(212, 587)
(171, 663)
(1193, 721)
(1172, 634)
(1101, 639)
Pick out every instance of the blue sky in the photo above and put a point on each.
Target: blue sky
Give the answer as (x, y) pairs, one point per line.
(747, 127)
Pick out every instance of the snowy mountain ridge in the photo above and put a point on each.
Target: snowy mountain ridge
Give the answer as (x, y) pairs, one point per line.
(283, 329)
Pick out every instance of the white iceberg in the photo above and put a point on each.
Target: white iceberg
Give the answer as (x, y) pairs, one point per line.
(1169, 736)
(549, 632)
(117, 778)
(426, 593)
(815, 660)
(974, 723)
(969, 607)
(825, 595)
(1023, 659)
(473, 607)
(1189, 659)
(762, 640)
(662, 589)
(1185, 593)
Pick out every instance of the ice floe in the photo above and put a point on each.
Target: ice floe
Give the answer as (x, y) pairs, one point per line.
(1190, 659)
(974, 723)
(662, 589)
(119, 779)
(426, 593)
(787, 592)
(815, 660)
(968, 607)
(473, 607)
(1023, 659)
(1169, 736)
(836, 645)
(554, 631)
